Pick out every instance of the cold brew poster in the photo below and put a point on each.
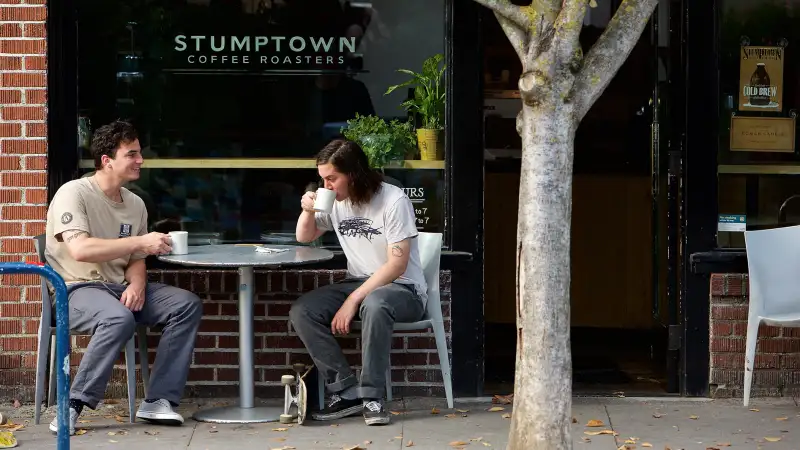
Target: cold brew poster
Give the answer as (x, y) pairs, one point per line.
(761, 79)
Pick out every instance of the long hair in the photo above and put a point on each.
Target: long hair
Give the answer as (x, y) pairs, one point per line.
(348, 158)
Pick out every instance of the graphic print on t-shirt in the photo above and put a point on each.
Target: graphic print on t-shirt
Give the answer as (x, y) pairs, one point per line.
(358, 227)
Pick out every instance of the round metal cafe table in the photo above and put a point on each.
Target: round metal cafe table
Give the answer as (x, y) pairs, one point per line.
(245, 258)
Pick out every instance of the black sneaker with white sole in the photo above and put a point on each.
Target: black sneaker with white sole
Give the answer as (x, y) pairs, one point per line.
(375, 413)
(338, 408)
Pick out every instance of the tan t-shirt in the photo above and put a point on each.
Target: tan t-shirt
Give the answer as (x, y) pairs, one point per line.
(82, 205)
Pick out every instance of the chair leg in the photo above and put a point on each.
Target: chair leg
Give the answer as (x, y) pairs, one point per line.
(130, 369)
(51, 385)
(444, 361)
(43, 351)
(321, 388)
(389, 382)
(144, 359)
(750, 356)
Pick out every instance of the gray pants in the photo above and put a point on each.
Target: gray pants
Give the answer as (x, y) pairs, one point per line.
(95, 309)
(311, 318)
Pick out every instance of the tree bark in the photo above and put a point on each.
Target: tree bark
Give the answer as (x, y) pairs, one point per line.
(543, 378)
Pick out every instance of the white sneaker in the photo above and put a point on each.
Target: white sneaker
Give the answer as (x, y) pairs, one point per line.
(160, 412)
(73, 419)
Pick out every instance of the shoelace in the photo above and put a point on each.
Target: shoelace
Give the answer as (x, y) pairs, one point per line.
(334, 399)
(373, 406)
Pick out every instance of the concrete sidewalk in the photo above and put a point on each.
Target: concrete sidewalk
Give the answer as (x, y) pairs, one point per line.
(633, 422)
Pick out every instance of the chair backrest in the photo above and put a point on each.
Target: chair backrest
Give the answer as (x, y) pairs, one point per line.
(40, 242)
(430, 253)
(773, 260)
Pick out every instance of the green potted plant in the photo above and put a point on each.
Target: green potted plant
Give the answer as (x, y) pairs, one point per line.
(385, 143)
(429, 102)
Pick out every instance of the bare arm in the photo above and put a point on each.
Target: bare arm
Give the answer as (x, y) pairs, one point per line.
(307, 230)
(136, 273)
(85, 248)
(396, 263)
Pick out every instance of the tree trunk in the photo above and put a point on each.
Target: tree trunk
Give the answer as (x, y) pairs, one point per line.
(543, 378)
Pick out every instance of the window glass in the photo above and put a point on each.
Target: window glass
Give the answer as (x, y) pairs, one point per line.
(759, 168)
(233, 98)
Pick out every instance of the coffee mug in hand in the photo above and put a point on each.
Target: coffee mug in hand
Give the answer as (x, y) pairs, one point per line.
(180, 242)
(324, 200)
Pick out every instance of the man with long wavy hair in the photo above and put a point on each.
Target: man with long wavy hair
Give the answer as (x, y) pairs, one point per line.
(376, 227)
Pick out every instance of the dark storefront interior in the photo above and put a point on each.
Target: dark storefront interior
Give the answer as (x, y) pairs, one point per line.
(619, 308)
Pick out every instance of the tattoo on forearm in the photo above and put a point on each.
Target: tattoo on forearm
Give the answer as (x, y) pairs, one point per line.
(397, 251)
(73, 236)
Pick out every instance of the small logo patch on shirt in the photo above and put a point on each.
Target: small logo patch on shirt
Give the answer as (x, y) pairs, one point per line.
(125, 230)
(66, 218)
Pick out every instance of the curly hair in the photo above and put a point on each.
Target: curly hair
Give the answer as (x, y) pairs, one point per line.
(348, 158)
(108, 138)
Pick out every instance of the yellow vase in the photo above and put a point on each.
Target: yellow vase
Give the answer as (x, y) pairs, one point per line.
(429, 143)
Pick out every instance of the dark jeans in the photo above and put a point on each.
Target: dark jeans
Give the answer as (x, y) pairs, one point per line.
(311, 318)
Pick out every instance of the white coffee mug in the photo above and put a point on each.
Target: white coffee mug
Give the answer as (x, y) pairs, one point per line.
(180, 242)
(324, 200)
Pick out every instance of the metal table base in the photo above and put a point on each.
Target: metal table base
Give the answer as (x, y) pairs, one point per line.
(246, 411)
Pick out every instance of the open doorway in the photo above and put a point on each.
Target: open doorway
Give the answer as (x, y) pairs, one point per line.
(619, 305)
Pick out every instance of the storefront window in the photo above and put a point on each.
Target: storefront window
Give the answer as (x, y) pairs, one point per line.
(233, 98)
(759, 167)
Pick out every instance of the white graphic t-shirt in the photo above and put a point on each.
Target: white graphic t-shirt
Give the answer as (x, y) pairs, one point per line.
(366, 232)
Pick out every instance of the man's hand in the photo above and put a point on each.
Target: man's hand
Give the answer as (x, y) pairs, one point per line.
(341, 321)
(133, 297)
(307, 202)
(155, 243)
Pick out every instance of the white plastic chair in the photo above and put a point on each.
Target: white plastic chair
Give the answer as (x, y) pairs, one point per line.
(773, 259)
(430, 252)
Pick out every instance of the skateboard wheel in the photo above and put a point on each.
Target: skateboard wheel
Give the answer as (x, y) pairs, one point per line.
(299, 367)
(287, 379)
(286, 418)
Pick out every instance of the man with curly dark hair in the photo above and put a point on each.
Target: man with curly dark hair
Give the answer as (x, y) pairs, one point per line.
(376, 227)
(97, 240)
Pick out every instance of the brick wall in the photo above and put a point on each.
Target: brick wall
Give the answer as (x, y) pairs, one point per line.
(777, 365)
(215, 372)
(23, 176)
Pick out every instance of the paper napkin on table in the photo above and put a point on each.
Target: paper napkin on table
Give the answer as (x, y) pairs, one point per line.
(271, 250)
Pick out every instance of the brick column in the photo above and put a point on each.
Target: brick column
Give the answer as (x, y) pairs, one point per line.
(23, 181)
(777, 364)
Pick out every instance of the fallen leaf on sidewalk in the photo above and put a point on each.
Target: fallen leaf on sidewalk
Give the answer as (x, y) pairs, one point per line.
(585, 439)
(772, 439)
(410, 444)
(486, 444)
(335, 425)
(658, 415)
(724, 444)
(781, 418)
(355, 447)
(151, 432)
(80, 432)
(477, 439)
(458, 443)
(112, 441)
(278, 439)
(11, 426)
(595, 423)
(754, 409)
(279, 429)
(503, 399)
(595, 433)
(646, 444)
(506, 416)
(120, 419)
(434, 410)
(462, 411)
(574, 420)
(397, 413)
(693, 417)
(496, 409)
